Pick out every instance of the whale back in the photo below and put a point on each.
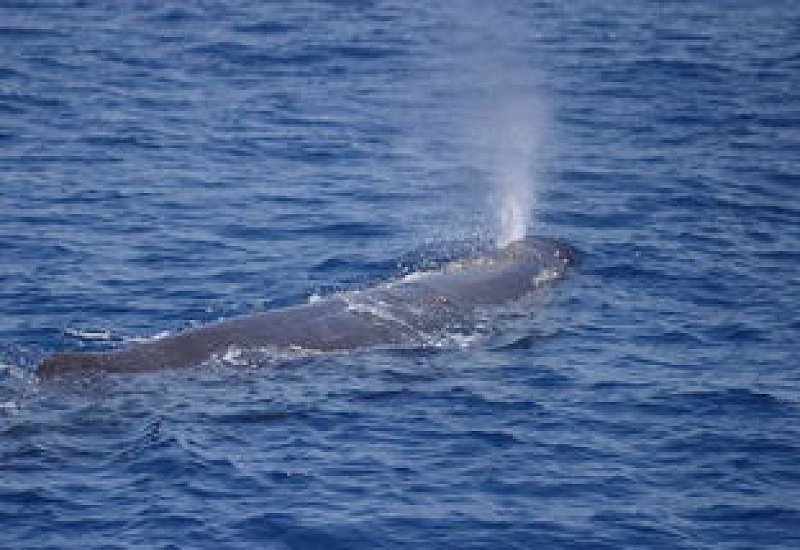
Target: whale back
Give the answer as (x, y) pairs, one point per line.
(400, 311)
(491, 279)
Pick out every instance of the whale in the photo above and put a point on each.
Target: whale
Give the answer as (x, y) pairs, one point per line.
(395, 313)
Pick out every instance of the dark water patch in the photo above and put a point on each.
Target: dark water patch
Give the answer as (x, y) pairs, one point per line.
(11, 74)
(173, 14)
(29, 101)
(257, 59)
(748, 445)
(265, 27)
(641, 530)
(775, 524)
(251, 417)
(664, 70)
(382, 394)
(297, 200)
(734, 401)
(283, 530)
(363, 52)
(529, 341)
(348, 230)
(268, 234)
(16, 32)
(121, 141)
(735, 513)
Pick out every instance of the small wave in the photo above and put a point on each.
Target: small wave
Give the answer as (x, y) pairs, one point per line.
(89, 334)
(142, 339)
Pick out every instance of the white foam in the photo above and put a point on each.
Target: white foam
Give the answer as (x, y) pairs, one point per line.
(13, 371)
(249, 357)
(144, 339)
(9, 407)
(89, 334)
(545, 276)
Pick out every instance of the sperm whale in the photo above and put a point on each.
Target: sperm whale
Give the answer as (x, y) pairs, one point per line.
(392, 313)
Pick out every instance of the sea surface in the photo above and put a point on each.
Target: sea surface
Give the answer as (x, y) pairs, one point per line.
(165, 164)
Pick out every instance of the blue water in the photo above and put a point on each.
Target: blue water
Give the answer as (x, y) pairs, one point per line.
(169, 163)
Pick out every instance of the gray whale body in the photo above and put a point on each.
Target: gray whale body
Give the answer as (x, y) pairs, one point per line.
(392, 313)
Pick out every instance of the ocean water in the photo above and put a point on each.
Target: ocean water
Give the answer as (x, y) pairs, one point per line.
(164, 164)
